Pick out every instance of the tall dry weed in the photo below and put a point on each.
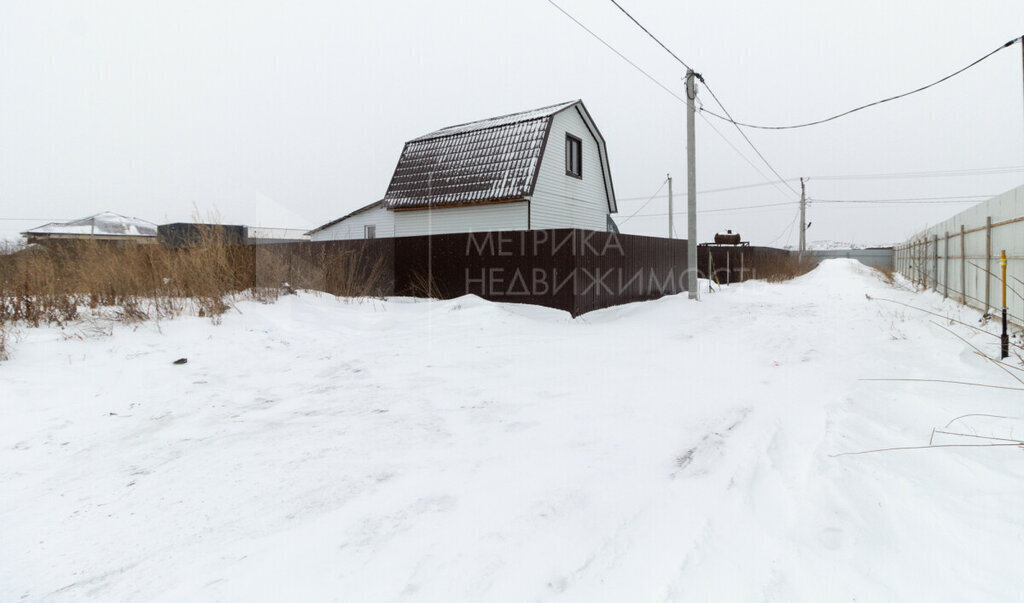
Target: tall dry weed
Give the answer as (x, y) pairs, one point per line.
(54, 283)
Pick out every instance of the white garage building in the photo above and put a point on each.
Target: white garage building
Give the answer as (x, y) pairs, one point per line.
(539, 169)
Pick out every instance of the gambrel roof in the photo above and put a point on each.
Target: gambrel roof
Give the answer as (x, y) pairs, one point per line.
(484, 161)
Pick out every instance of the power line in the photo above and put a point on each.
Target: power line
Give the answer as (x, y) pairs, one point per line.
(929, 200)
(720, 210)
(840, 203)
(621, 56)
(724, 209)
(646, 31)
(729, 118)
(932, 174)
(995, 171)
(646, 202)
(656, 82)
(787, 229)
(684, 64)
(744, 134)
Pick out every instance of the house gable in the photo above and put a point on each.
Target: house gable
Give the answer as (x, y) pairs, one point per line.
(561, 200)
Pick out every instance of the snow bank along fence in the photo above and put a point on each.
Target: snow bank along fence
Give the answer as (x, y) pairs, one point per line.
(569, 269)
(959, 258)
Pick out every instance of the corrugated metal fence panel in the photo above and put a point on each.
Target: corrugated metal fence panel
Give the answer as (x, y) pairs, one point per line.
(570, 269)
(969, 271)
(882, 258)
(734, 264)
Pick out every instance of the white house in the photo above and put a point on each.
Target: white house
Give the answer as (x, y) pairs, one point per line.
(539, 169)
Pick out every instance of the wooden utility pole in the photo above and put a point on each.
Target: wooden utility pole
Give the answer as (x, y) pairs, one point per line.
(803, 218)
(670, 229)
(691, 187)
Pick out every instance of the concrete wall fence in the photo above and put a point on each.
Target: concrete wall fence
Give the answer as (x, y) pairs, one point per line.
(959, 257)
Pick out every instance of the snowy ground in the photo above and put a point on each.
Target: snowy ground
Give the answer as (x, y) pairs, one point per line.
(462, 450)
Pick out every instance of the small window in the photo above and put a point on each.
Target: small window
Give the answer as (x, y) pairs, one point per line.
(573, 156)
(370, 231)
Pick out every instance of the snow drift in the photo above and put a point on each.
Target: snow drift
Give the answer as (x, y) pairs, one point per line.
(463, 450)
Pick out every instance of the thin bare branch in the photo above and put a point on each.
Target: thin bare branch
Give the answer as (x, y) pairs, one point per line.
(922, 448)
(943, 316)
(1012, 290)
(995, 362)
(977, 414)
(1019, 389)
(967, 435)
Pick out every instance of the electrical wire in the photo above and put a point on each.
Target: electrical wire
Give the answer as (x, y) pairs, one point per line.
(749, 162)
(995, 171)
(880, 176)
(787, 229)
(730, 119)
(663, 182)
(658, 83)
(621, 56)
(927, 200)
(719, 210)
(646, 31)
(717, 101)
(744, 134)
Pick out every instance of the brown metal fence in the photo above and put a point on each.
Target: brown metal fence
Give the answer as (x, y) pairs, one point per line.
(573, 270)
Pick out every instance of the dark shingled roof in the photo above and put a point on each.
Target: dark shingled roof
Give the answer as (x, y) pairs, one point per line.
(488, 160)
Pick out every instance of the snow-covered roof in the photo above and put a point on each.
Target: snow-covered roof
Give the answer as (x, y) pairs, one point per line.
(491, 159)
(102, 224)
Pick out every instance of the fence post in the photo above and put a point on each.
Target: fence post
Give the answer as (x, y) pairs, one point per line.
(923, 262)
(988, 260)
(963, 265)
(935, 265)
(945, 269)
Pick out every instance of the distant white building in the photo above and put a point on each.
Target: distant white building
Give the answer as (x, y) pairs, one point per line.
(540, 169)
(106, 226)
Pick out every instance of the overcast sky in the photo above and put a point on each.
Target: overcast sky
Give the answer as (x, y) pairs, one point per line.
(293, 114)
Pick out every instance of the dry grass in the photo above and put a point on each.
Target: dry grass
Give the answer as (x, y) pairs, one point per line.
(783, 267)
(888, 275)
(425, 286)
(58, 283)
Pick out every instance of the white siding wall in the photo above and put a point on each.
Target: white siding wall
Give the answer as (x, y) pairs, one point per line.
(352, 228)
(470, 218)
(561, 201)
